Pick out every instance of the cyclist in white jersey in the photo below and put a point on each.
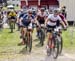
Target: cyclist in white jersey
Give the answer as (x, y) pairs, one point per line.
(51, 23)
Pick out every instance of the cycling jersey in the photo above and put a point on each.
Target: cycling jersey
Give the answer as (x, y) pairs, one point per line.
(63, 18)
(21, 15)
(52, 23)
(41, 17)
(26, 20)
(12, 14)
(53, 20)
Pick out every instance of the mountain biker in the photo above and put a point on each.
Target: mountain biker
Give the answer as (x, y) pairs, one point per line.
(20, 14)
(12, 14)
(20, 27)
(26, 23)
(51, 23)
(63, 18)
(41, 16)
(63, 11)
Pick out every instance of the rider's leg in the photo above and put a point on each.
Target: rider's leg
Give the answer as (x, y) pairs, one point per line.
(49, 38)
(23, 35)
(51, 45)
(21, 32)
(24, 30)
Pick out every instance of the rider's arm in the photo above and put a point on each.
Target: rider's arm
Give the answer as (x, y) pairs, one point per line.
(36, 21)
(20, 20)
(61, 21)
(15, 14)
(45, 16)
(46, 21)
(9, 14)
(66, 22)
(64, 19)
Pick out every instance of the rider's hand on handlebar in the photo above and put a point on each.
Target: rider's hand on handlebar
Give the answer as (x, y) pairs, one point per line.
(65, 28)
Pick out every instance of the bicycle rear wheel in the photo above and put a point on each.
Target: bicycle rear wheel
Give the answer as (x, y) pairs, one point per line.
(60, 44)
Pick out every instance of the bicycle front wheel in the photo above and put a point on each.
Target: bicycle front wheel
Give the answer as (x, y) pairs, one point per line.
(30, 43)
(55, 50)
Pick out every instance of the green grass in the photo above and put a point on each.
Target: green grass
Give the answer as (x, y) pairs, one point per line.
(9, 41)
(69, 36)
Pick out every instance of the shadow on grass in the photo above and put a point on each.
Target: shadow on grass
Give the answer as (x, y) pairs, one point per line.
(10, 32)
(36, 39)
(38, 45)
(24, 51)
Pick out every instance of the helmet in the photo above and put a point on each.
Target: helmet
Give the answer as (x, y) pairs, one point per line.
(56, 10)
(33, 10)
(42, 9)
(30, 11)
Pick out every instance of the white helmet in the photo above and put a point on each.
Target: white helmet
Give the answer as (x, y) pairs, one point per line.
(30, 11)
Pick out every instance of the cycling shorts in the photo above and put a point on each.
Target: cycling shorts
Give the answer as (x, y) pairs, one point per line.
(50, 28)
(25, 23)
(41, 21)
(12, 17)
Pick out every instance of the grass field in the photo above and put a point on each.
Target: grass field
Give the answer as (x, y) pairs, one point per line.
(9, 41)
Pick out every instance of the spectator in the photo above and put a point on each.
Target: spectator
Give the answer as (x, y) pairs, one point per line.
(63, 9)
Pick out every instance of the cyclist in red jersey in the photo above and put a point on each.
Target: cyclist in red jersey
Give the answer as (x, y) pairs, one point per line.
(40, 18)
(62, 17)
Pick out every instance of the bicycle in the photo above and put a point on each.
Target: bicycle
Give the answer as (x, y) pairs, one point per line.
(55, 44)
(28, 40)
(42, 34)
